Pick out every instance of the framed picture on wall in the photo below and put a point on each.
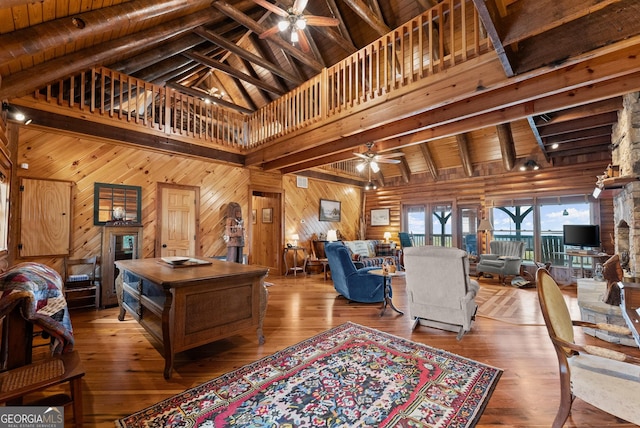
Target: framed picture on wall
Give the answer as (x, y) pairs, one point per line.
(302, 182)
(329, 210)
(267, 215)
(254, 216)
(380, 217)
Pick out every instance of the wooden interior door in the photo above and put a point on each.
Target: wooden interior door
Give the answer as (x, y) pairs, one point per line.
(45, 218)
(178, 220)
(266, 245)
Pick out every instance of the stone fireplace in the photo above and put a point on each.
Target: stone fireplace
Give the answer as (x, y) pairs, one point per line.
(626, 204)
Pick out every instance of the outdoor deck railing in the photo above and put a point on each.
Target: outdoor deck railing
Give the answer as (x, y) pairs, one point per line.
(552, 247)
(448, 34)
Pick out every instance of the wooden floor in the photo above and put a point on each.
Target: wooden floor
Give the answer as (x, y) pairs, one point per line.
(124, 368)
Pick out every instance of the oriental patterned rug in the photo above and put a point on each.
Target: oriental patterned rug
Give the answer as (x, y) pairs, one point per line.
(348, 376)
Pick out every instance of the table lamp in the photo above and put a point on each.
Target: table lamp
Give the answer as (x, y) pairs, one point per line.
(387, 236)
(295, 238)
(332, 235)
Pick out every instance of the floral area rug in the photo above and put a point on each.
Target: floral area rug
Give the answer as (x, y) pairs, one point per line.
(350, 376)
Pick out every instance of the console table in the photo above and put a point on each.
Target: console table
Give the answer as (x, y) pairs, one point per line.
(582, 255)
(295, 268)
(188, 306)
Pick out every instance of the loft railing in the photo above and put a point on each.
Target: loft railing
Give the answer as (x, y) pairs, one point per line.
(445, 35)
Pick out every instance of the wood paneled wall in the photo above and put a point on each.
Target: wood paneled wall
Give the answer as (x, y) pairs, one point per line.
(86, 160)
(303, 207)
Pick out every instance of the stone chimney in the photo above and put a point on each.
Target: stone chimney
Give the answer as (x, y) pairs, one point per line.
(626, 204)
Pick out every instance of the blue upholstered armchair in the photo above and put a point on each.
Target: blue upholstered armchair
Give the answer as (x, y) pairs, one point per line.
(354, 284)
(505, 259)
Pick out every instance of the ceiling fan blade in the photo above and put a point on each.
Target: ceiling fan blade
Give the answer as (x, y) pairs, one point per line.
(299, 5)
(304, 42)
(384, 160)
(321, 21)
(270, 32)
(362, 155)
(390, 155)
(272, 8)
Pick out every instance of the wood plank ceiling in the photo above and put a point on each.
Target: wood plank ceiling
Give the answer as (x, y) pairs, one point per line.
(213, 49)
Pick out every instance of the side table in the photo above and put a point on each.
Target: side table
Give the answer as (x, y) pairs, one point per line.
(387, 288)
(295, 268)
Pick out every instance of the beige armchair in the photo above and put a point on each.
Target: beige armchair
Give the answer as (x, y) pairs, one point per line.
(439, 289)
(602, 377)
(505, 259)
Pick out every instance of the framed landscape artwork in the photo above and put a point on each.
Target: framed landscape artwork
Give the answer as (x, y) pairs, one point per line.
(329, 210)
(267, 215)
(380, 217)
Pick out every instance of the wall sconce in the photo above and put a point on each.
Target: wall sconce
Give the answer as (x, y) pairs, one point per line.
(387, 236)
(332, 235)
(530, 165)
(295, 237)
(15, 114)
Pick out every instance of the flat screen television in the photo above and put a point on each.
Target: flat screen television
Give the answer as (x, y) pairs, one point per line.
(581, 235)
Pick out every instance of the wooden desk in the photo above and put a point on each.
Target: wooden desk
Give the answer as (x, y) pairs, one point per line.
(630, 293)
(188, 306)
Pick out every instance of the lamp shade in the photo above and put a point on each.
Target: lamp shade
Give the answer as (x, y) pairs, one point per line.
(295, 237)
(387, 235)
(332, 235)
(485, 225)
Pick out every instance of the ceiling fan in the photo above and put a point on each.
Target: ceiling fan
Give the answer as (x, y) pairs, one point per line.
(372, 159)
(295, 22)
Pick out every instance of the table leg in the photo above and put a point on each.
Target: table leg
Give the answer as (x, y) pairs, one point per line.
(387, 297)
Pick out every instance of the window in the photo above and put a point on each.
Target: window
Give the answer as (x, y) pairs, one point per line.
(441, 225)
(515, 223)
(116, 203)
(415, 223)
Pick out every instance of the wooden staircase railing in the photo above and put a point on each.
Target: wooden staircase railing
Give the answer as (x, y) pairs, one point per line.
(442, 37)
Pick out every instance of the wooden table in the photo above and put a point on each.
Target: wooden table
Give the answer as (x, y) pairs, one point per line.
(387, 288)
(188, 306)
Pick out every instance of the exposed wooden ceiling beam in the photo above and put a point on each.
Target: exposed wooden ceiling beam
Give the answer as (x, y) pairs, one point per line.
(534, 52)
(465, 156)
(405, 170)
(492, 22)
(528, 18)
(161, 53)
(582, 134)
(363, 11)
(536, 135)
(243, 53)
(343, 27)
(23, 82)
(200, 94)
(578, 124)
(587, 110)
(30, 41)
(227, 69)
(428, 158)
(257, 28)
(507, 145)
(598, 140)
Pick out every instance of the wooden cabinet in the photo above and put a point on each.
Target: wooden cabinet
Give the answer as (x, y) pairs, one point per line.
(45, 217)
(118, 243)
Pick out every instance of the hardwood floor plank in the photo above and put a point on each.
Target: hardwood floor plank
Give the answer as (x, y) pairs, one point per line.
(124, 367)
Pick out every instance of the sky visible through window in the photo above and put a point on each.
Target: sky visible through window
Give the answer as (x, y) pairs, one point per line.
(552, 217)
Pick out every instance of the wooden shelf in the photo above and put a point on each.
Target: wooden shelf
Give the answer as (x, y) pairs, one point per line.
(619, 182)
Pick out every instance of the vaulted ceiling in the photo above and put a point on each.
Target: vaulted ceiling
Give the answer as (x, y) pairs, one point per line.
(214, 49)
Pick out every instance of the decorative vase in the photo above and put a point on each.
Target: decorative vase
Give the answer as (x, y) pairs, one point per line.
(118, 213)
